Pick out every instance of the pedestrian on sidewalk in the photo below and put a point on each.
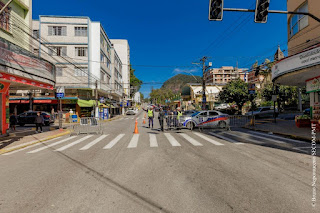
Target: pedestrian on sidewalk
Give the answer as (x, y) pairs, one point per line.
(39, 122)
(161, 116)
(13, 121)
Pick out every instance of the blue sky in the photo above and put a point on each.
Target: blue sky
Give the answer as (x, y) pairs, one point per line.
(166, 36)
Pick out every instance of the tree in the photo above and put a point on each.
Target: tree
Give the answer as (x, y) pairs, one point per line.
(134, 82)
(141, 97)
(235, 91)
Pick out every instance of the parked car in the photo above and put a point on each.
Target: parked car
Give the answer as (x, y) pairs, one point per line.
(207, 119)
(130, 112)
(263, 112)
(222, 106)
(30, 116)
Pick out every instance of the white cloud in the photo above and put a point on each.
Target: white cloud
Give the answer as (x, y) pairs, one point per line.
(185, 71)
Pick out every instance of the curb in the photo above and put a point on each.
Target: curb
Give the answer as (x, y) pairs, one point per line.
(285, 135)
(39, 141)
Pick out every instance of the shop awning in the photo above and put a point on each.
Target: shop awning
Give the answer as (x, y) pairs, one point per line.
(85, 103)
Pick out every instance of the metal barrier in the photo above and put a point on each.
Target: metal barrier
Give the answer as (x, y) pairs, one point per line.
(241, 120)
(172, 122)
(88, 125)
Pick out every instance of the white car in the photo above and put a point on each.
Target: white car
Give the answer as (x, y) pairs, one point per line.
(263, 112)
(207, 119)
(130, 112)
(222, 106)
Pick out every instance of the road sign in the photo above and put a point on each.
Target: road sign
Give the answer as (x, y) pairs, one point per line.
(274, 97)
(60, 95)
(251, 92)
(60, 90)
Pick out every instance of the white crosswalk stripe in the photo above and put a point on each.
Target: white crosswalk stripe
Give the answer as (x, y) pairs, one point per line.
(153, 140)
(247, 139)
(225, 138)
(93, 142)
(172, 140)
(28, 147)
(51, 145)
(73, 143)
(114, 142)
(134, 141)
(256, 136)
(191, 140)
(276, 137)
(208, 139)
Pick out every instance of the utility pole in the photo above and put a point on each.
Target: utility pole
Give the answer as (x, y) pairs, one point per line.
(204, 98)
(96, 110)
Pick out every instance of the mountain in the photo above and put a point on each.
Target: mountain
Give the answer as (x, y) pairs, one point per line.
(177, 82)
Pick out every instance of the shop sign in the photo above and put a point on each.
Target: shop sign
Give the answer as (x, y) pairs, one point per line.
(4, 86)
(296, 62)
(69, 101)
(313, 85)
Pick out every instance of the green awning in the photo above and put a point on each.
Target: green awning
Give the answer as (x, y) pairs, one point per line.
(85, 103)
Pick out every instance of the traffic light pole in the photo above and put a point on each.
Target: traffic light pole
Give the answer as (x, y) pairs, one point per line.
(274, 11)
(204, 98)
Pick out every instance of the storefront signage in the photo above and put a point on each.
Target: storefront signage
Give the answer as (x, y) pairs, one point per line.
(296, 62)
(21, 80)
(313, 85)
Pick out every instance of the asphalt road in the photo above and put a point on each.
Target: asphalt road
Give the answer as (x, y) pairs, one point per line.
(211, 171)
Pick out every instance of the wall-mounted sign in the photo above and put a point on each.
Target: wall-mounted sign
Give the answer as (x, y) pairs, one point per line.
(313, 85)
(4, 86)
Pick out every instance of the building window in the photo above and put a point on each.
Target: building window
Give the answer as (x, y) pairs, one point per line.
(59, 71)
(35, 34)
(5, 18)
(57, 31)
(81, 71)
(80, 31)
(81, 51)
(58, 51)
(298, 22)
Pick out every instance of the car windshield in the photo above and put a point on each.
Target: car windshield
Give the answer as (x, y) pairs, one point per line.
(194, 114)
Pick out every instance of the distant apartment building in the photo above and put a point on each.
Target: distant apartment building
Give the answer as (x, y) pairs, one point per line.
(225, 74)
(85, 62)
(21, 72)
(122, 48)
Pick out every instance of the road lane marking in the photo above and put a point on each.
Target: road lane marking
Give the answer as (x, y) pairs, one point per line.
(50, 145)
(73, 143)
(93, 142)
(34, 145)
(208, 139)
(190, 139)
(225, 138)
(126, 118)
(277, 137)
(263, 138)
(153, 140)
(247, 139)
(172, 140)
(113, 142)
(134, 141)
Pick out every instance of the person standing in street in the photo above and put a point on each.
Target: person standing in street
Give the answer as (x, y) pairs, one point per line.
(150, 116)
(161, 116)
(39, 122)
(13, 121)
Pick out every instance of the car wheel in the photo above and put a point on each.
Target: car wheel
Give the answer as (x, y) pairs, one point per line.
(190, 125)
(222, 124)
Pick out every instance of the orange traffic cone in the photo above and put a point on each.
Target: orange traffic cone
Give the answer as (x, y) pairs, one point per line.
(136, 128)
(144, 121)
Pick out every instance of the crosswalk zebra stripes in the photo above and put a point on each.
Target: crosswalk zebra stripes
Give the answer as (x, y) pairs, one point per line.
(154, 140)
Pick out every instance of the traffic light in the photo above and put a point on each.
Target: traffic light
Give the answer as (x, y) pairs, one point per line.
(262, 11)
(215, 10)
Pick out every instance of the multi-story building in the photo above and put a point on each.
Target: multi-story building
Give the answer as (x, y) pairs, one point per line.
(122, 48)
(87, 65)
(20, 69)
(223, 75)
(302, 66)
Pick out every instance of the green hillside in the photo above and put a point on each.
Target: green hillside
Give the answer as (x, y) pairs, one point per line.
(177, 82)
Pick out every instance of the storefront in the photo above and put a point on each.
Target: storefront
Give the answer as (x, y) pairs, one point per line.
(302, 70)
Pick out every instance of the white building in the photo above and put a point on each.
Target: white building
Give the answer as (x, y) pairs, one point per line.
(85, 61)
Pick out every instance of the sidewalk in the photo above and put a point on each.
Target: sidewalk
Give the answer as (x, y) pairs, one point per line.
(286, 128)
(12, 143)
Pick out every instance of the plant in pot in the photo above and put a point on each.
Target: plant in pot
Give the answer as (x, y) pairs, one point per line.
(303, 121)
